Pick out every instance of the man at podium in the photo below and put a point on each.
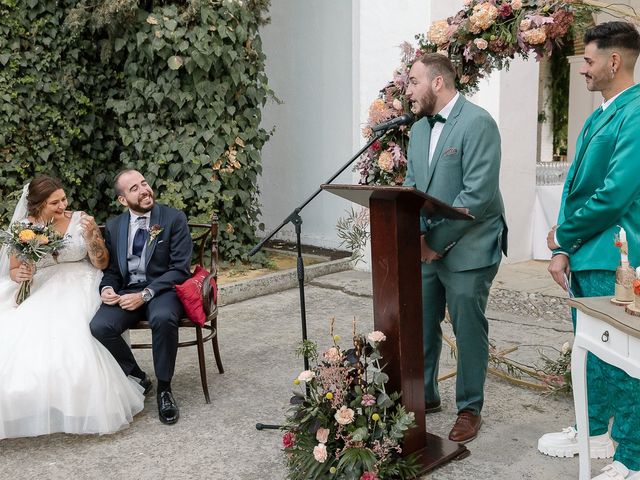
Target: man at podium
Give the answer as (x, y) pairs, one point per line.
(454, 156)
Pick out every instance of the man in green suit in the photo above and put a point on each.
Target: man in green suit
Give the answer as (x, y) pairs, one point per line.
(601, 193)
(454, 155)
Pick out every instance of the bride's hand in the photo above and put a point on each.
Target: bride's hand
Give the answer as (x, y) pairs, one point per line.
(24, 272)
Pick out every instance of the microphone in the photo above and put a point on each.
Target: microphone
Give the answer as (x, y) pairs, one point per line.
(394, 122)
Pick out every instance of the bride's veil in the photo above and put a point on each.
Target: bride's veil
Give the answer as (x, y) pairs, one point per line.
(19, 213)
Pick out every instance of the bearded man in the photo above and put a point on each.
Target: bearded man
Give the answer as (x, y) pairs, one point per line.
(150, 252)
(601, 194)
(454, 156)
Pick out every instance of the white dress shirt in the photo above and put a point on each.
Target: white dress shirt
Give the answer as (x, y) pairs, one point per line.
(436, 131)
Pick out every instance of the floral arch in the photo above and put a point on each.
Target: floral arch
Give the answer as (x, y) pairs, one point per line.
(482, 37)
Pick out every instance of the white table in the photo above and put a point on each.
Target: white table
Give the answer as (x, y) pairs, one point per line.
(613, 335)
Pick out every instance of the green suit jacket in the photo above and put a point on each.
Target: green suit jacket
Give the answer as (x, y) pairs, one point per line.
(602, 190)
(464, 172)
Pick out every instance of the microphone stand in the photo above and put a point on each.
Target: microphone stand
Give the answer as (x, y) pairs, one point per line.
(296, 220)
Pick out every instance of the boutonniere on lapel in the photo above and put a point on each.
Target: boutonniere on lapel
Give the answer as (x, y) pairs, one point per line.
(154, 231)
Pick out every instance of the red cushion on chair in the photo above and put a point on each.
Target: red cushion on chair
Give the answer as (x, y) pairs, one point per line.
(189, 294)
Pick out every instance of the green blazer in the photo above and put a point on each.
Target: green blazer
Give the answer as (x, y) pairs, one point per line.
(602, 190)
(464, 172)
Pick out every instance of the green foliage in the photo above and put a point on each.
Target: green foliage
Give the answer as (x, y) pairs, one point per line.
(353, 232)
(172, 88)
(559, 95)
(343, 422)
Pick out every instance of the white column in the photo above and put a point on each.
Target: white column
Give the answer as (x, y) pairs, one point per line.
(516, 113)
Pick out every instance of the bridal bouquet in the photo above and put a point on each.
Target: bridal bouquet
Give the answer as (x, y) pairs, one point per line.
(29, 243)
(343, 424)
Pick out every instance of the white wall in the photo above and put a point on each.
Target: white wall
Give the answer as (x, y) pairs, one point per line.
(327, 60)
(310, 63)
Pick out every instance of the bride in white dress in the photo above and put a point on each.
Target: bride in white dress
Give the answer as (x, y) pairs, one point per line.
(54, 376)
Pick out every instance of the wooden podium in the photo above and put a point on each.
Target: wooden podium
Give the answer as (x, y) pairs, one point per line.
(397, 300)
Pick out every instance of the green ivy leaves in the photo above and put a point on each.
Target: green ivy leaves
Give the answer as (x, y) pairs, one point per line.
(175, 90)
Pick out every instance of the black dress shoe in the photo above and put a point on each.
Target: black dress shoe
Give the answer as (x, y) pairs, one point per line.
(167, 408)
(147, 384)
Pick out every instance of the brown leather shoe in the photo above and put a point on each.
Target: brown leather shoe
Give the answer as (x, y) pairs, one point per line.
(466, 427)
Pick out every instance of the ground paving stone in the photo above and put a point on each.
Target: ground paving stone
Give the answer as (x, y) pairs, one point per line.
(258, 337)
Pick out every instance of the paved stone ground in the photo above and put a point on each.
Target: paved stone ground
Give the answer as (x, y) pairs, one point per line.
(258, 336)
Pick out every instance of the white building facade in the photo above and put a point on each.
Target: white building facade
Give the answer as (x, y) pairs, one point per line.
(326, 62)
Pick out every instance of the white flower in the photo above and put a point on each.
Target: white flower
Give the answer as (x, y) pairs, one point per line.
(566, 348)
(320, 452)
(306, 376)
(344, 416)
(376, 337)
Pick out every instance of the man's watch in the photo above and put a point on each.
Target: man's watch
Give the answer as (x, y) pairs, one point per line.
(147, 294)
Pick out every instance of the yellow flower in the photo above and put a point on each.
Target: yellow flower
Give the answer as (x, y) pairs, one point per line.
(296, 382)
(26, 235)
(336, 338)
(329, 396)
(333, 470)
(375, 417)
(42, 239)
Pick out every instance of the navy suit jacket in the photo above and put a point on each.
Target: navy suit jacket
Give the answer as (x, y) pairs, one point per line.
(168, 255)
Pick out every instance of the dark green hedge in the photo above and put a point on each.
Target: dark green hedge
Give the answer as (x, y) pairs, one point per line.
(172, 88)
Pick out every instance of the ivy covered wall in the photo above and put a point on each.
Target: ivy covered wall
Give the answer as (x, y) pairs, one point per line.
(172, 88)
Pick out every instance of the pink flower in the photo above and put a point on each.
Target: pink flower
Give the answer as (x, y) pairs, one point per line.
(376, 146)
(288, 440)
(344, 416)
(376, 336)
(332, 355)
(368, 400)
(322, 435)
(505, 10)
(397, 104)
(481, 43)
(320, 452)
(369, 476)
(516, 4)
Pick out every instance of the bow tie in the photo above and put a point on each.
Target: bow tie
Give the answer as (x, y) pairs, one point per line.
(433, 119)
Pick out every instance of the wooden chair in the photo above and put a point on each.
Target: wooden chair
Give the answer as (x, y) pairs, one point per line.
(200, 241)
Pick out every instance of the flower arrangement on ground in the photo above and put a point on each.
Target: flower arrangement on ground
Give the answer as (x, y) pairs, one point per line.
(30, 242)
(344, 425)
(485, 35)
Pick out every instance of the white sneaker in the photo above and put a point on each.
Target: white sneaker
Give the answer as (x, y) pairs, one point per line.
(616, 471)
(565, 444)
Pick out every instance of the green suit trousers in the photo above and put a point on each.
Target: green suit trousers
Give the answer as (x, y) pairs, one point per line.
(611, 392)
(465, 294)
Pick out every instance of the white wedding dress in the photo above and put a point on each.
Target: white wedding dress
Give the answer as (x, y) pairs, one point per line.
(54, 376)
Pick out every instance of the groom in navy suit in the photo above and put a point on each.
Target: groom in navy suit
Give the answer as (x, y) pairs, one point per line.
(150, 252)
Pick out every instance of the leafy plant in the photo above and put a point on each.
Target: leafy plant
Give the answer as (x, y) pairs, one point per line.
(172, 88)
(353, 232)
(344, 425)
